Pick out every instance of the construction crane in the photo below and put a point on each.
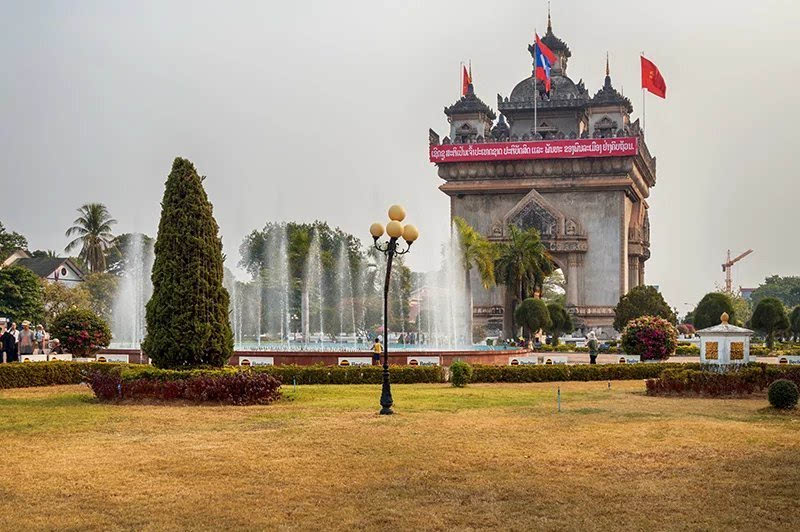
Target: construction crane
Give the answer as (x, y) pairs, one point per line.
(726, 268)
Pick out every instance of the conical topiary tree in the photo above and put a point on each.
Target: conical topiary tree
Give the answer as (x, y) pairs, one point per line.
(187, 315)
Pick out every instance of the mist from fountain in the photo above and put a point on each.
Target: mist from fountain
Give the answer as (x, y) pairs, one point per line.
(134, 290)
(314, 292)
(346, 299)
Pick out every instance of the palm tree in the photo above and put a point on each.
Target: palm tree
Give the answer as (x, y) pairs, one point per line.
(479, 252)
(522, 265)
(93, 230)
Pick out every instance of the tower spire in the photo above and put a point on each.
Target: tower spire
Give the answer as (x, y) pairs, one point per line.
(549, 21)
(608, 71)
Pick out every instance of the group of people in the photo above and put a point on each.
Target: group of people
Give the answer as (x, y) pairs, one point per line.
(15, 342)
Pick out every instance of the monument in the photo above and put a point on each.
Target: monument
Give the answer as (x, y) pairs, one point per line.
(570, 164)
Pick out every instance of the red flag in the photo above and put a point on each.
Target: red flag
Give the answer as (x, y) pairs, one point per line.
(652, 79)
(466, 79)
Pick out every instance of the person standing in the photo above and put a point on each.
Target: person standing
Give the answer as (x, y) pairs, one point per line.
(26, 341)
(377, 349)
(592, 347)
(39, 337)
(9, 345)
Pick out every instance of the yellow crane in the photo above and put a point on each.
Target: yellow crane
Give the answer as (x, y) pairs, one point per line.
(726, 267)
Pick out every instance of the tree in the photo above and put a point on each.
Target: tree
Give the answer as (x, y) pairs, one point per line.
(10, 242)
(187, 315)
(81, 331)
(44, 253)
(20, 295)
(741, 308)
(560, 321)
(794, 323)
(93, 230)
(649, 337)
(533, 315)
(120, 254)
(769, 317)
(102, 288)
(641, 301)
(522, 265)
(710, 308)
(58, 297)
(787, 289)
(476, 251)
(554, 288)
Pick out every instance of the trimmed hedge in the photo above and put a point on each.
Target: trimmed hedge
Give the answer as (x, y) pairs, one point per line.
(735, 381)
(237, 386)
(580, 372)
(320, 374)
(460, 374)
(783, 394)
(27, 374)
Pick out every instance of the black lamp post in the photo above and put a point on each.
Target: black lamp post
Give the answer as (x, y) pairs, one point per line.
(395, 230)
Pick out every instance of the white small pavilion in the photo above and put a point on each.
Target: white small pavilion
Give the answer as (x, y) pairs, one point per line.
(724, 343)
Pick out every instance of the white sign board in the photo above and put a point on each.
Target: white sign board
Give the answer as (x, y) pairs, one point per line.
(523, 361)
(33, 358)
(355, 361)
(628, 359)
(113, 358)
(64, 357)
(789, 359)
(422, 361)
(554, 359)
(256, 361)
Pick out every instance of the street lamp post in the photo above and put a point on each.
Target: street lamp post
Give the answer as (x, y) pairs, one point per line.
(395, 230)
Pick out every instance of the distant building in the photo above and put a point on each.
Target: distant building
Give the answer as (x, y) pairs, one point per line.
(49, 268)
(747, 293)
(570, 164)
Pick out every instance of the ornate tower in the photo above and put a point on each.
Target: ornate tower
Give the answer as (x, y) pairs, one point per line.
(580, 174)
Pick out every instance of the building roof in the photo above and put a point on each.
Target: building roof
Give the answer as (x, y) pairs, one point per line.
(608, 95)
(724, 329)
(44, 266)
(554, 43)
(469, 104)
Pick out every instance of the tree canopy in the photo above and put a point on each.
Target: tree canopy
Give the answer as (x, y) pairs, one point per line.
(787, 289)
(20, 295)
(187, 315)
(641, 301)
(770, 317)
(794, 323)
(533, 315)
(92, 231)
(560, 321)
(710, 308)
(10, 242)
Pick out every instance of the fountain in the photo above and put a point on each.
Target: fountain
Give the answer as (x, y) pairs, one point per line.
(133, 292)
(346, 299)
(313, 292)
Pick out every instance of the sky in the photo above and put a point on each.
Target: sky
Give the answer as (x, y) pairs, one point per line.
(320, 110)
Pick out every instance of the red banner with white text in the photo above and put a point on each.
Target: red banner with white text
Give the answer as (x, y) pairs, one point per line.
(535, 149)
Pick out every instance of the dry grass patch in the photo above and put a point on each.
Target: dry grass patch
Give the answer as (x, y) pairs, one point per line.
(486, 456)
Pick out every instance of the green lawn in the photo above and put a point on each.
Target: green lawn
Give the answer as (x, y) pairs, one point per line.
(486, 456)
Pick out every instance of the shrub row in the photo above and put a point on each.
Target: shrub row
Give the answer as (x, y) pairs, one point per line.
(581, 372)
(735, 381)
(237, 387)
(687, 350)
(24, 375)
(353, 374)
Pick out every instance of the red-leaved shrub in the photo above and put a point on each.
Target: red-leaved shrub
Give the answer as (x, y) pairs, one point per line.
(221, 386)
(650, 337)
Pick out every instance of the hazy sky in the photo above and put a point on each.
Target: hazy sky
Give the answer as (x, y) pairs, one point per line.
(302, 110)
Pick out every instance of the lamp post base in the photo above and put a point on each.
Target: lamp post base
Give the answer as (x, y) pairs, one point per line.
(386, 394)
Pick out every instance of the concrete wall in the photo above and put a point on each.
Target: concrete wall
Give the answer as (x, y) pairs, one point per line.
(602, 215)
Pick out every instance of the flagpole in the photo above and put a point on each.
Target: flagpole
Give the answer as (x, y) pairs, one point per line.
(460, 78)
(535, 88)
(644, 96)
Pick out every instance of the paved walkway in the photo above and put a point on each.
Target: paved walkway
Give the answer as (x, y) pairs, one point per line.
(583, 358)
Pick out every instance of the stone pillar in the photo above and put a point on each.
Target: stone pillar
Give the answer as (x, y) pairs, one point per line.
(633, 272)
(641, 273)
(572, 279)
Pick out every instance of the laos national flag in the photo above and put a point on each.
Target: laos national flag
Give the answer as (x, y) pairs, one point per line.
(543, 61)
